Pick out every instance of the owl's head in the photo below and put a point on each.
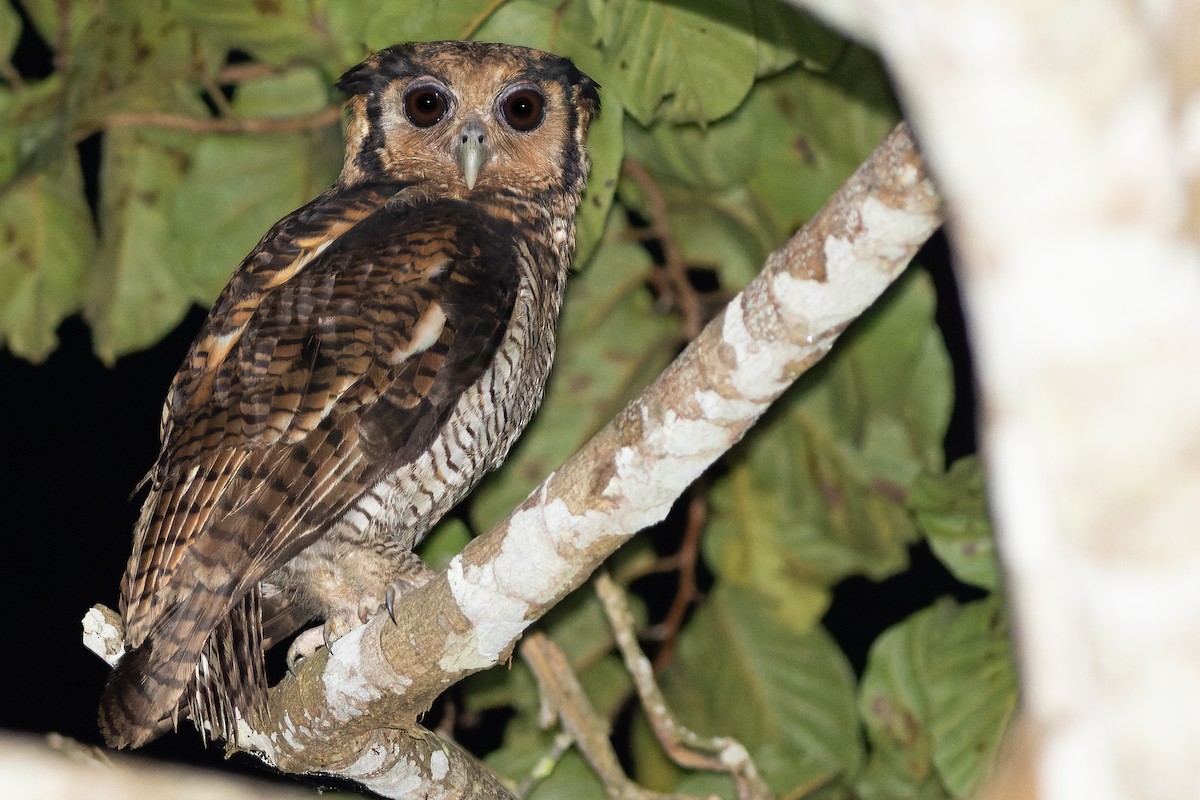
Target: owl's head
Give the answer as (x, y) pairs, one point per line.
(469, 117)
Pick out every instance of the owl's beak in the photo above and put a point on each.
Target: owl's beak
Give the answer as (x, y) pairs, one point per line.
(470, 151)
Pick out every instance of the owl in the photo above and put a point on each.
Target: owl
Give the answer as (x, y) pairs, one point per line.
(371, 359)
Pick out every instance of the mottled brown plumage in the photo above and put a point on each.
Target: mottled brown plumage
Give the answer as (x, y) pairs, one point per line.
(376, 354)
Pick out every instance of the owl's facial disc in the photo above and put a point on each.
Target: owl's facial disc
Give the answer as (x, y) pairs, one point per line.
(470, 150)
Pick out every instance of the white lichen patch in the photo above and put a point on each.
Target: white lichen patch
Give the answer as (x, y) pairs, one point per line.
(649, 476)
(288, 733)
(102, 636)
(375, 770)
(733, 754)
(256, 743)
(439, 765)
(758, 374)
(497, 596)
(887, 239)
(347, 690)
(497, 617)
(890, 233)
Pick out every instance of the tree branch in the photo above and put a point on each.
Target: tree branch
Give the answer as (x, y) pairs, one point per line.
(157, 119)
(352, 710)
(564, 697)
(683, 745)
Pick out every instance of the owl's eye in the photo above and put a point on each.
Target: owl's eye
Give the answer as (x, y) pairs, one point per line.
(524, 109)
(424, 106)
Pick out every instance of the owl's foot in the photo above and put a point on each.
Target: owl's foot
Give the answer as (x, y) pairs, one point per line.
(305, 644)
(398, 587)
(337, 626)
(413, 574)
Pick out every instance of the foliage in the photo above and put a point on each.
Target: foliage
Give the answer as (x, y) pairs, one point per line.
(743, 115)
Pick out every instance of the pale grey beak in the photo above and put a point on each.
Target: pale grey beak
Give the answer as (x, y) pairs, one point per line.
(470, 151)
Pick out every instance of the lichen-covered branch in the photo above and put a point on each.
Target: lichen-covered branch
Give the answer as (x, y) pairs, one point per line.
(684, 746)
(353, 710)
(1066, 135)
(565, 699)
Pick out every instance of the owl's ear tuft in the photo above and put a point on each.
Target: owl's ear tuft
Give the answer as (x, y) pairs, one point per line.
(563, 70)
(361, 78)
(587, 91)
(372, 75)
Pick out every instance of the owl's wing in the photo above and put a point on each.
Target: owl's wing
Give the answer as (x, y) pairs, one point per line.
(356, 310)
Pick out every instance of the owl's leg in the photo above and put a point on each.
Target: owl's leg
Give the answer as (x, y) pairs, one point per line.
(360, 586)
(415, 575)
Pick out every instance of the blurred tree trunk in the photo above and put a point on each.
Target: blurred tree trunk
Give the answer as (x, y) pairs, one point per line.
(1066, 137)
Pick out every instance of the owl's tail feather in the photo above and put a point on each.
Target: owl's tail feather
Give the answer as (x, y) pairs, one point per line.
(129, 715)
(215, 672)
(231, 680)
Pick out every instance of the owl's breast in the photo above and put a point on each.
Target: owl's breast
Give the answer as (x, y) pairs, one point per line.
(477, 435)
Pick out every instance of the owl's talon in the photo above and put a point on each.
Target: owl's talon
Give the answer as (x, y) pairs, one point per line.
(304, 646)
(389, 602)
(419, 575)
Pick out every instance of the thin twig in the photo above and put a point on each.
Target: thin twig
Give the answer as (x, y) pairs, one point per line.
(687, 593)
(9, 73)
(546, 764)
(213, 90)
(240, 73)
(678, 287)
(562, 695)
(155, 119)
(480, 18)
(684, 746)
(62, 41)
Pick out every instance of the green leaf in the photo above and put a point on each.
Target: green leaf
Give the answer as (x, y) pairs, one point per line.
(951, 509)
(136, 292)
(936, 698)
(10, 30)
(217, 214)
(419, 20)
(606, 145)
(46, 242)
(277, 32)
(526, 748)
(81, 16)
(786, 35)
(741, 671)
(566, 29)
(740, 186)
(818, 490)
(816, 130)
(128, 56)
(611, 344)
(718, 156)
(444, 542)
(972, 694)
(300, 91)
(686, 61)
(894, 708)
(33, 125)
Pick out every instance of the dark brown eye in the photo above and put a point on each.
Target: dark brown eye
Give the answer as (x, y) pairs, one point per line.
(424, 106)
(524, 109)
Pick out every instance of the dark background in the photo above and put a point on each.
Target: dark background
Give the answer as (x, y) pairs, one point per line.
(78, 436)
